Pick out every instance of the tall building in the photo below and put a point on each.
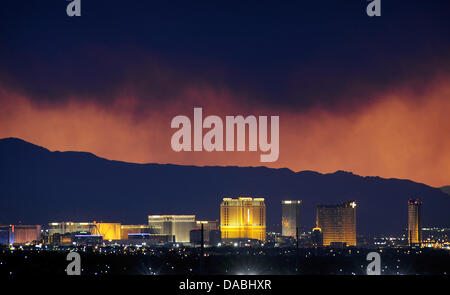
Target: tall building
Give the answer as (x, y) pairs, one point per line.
(290, 220)
(243, 218)
(414, 221)
(173, 225)
(338, 223)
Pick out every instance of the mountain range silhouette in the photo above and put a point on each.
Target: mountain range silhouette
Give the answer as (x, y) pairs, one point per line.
(38, 186)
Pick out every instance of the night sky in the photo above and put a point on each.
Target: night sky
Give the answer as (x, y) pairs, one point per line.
(367, 95)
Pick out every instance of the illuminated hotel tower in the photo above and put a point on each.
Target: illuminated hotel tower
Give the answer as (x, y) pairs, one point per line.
(290, 220)
(414, 221)
(243, 218)
(338, 223)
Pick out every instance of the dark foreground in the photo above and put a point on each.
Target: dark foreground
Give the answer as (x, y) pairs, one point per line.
(106, 261)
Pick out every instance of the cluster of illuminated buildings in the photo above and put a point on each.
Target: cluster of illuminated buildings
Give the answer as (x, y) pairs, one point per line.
(242, 222)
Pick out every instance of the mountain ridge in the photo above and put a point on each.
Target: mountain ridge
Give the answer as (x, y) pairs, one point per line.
(337, 172)
(40, 186)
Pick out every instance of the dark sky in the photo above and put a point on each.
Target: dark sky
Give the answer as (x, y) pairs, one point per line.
(269, 51)
(364, 94)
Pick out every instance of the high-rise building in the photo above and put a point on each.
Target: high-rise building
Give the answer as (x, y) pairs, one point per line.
(173, 225)
(290, 220)
(414, 221)
(338, 223)
(243, 218)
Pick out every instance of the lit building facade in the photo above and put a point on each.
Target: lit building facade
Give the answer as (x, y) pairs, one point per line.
(291, 217)
(19, 234)
(178, 226)
(109, 231)
(133, 230)
(337, 223)
(70, 227)
(243, 218)
(414, 221)
(26, 233)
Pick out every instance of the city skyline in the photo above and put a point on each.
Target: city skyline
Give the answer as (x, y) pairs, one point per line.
(199, 141)
(185, 245)
(241, 219)
(150, 186)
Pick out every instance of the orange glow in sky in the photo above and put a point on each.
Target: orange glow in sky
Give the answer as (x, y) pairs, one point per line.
(401, 134)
